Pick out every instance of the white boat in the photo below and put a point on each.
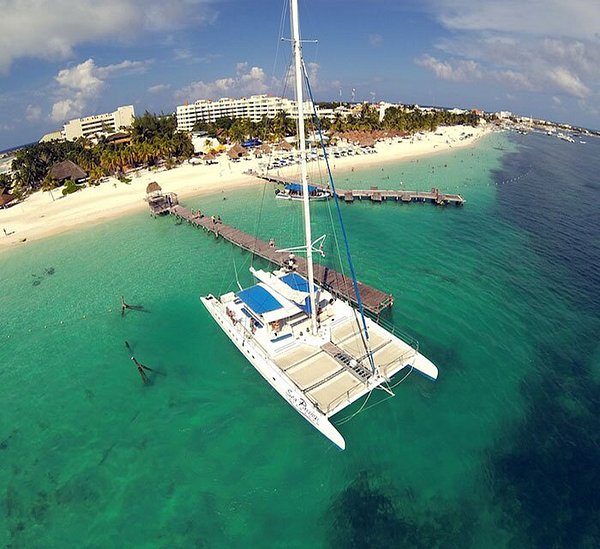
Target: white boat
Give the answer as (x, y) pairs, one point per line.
(294, 191)
(316, 351)
(565, 137)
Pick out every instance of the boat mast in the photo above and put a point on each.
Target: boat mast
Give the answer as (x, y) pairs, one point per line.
(302, 144)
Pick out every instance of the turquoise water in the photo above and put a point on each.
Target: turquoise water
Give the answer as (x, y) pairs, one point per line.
(502, 294)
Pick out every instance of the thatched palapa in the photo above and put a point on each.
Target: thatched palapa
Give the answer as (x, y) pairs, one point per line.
(237, 151)
(67, 170)
(153, 187)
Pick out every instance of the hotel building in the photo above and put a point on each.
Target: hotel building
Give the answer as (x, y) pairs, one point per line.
(89, 126)
(254, 108)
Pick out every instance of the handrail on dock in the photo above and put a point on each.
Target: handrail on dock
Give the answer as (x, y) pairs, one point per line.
(339, 285)
(375, 194)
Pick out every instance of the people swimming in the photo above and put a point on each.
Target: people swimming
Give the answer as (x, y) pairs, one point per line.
(140, 369)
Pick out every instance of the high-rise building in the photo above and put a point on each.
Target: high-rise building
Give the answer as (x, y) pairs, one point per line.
(89, 126)
(254, 108)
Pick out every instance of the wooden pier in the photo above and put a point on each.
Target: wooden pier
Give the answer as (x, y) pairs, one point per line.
(374, 194)
(377, 195)
(338, 284)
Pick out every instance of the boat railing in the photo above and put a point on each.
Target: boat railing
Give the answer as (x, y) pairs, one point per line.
(248, 335)
(408, 339)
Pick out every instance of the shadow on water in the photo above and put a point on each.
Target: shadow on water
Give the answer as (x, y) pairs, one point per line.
(546, 475)
(370, 512)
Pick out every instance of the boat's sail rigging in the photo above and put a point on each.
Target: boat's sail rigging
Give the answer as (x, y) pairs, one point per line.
(306, 343)
(297, 46)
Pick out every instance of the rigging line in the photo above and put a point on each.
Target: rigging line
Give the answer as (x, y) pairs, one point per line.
(279, 35)
(364, 406)
(262, 201)
(237, 278)
(339, 212)
(354, 414)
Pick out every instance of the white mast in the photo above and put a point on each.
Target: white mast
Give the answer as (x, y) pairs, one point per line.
(302, 144)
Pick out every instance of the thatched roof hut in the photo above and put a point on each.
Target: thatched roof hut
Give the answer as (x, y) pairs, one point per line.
(237, 151)
(264, 148)
(153, 187)
(66, 169)
(6, 199)
(284, 145)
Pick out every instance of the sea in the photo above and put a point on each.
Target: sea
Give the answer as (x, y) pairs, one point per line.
(503, 450)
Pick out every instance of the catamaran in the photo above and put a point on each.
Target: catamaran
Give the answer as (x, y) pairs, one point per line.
(316, 350)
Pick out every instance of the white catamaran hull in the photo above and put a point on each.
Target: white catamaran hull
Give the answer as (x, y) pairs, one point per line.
(271, 373)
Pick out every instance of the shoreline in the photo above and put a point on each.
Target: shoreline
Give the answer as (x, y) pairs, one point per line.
(43, 214)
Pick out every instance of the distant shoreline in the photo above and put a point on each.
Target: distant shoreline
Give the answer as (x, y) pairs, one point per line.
(39, 216)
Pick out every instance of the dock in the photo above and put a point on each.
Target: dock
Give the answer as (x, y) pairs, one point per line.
(374, 194)
(377, 195)
(338, 284)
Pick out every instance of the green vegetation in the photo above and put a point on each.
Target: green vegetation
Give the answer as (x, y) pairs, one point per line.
(396, 119)
(70, 187)
(154, 140)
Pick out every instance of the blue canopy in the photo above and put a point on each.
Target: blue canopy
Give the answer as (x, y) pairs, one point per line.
(259, 300)
(297, 188)
(300, 284)
(252, 143)
(296, 282)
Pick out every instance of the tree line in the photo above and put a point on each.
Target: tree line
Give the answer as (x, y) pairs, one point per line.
(396, 119)
(154, 139)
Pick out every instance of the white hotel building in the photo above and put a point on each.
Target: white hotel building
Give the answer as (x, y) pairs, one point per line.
(89, 126)
(254, 108)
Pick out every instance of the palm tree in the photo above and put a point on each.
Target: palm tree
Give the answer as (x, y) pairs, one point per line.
(49, 184)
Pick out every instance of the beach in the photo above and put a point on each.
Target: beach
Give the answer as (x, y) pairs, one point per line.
(43, 213)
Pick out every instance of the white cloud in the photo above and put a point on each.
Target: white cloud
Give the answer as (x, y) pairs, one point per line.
(81, 83)
(246, 81)
(545, 46)
(51, 30)
(456, 70)
(159, 88)
(33, 113)
(188, 57)
(568, 82)
(573, 19)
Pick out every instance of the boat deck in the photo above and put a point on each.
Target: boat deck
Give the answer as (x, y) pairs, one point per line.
(337, 373)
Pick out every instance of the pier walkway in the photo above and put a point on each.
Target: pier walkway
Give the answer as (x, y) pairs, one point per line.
(374, 194)
(338, 284)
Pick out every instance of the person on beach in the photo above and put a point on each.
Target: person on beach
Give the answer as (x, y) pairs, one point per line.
(5, 233)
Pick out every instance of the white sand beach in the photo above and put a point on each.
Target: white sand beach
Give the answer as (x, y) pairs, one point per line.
(43, 214)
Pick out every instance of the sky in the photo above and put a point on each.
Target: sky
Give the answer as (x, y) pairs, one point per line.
(61, 59)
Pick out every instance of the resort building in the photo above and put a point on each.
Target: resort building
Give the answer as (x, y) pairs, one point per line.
(105, 123)
(254, 108)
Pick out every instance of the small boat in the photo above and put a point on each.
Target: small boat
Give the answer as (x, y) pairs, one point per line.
(293, 191)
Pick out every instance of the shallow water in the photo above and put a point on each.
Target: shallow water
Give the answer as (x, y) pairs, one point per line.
(501, 450)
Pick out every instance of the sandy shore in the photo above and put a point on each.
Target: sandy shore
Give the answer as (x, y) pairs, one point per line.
(43, 214)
